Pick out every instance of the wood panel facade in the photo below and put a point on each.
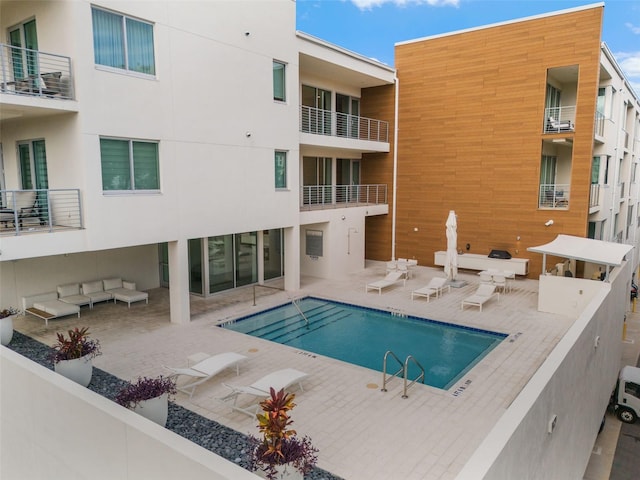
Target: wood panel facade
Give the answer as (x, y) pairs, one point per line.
(470, 137)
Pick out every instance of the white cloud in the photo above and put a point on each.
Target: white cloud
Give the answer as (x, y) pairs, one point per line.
(630, 65)
(369, 4)
(633, 28)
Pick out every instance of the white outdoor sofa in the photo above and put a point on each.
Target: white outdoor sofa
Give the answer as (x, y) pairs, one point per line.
(47, 306)
(124, 291)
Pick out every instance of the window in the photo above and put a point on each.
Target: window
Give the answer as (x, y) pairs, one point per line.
(281, 169)
(129, 165)
(313, 243)
(595, 170)
(278, 81)
(123, 42)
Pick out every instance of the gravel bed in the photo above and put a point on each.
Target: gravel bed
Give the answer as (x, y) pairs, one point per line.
(221, 440)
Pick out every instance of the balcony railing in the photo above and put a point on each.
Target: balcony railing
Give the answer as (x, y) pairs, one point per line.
(559, 119)
(34, 73)
(554, 195)
(336, 124)
(599, 126)
(29, 211)
(594, 195)
(341, 196)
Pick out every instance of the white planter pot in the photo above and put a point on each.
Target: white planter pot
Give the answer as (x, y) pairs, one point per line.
(284, 472)
(6, 329)
(155, 409)
(79, 370)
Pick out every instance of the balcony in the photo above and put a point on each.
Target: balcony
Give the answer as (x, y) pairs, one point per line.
(317, 197)
(32, 73)
(559, 119)
(336, 124)
(39, 211)
(594, 196)
(554, 196)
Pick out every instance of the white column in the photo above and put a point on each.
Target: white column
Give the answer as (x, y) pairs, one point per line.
(260, 247)
(179, 305)
(292, 258)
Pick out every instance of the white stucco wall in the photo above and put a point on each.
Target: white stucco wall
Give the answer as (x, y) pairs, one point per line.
(51, 427)
(573, 386)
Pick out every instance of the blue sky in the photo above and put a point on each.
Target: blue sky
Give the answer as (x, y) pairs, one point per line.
(372, 27)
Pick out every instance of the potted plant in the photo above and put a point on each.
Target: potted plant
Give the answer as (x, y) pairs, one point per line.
(280, 453)
(72, 355)
(149, 397)
(6, 324)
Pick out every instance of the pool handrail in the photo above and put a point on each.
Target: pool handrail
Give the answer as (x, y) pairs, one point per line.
(404, 369)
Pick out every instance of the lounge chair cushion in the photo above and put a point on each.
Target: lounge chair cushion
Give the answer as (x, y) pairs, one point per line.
(260, 388)
(206, 369)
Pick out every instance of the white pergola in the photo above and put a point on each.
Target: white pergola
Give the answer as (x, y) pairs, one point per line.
(609, 254)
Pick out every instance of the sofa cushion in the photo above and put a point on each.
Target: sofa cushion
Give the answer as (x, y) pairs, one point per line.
(76, 299)
(68, 290)
(56, 307)
(92, 287)
(111, 283)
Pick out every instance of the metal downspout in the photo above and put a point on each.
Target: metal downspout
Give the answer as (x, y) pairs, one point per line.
(395, 169)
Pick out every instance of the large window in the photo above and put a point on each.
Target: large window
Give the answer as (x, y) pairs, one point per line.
(123, 42)
(279, 81)
(129, 165)
(281, 169)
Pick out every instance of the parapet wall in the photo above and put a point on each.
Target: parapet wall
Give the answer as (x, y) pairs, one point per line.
(550, 428)
(51, 427)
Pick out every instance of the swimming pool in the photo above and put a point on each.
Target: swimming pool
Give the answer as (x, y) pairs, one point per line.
(362, 335)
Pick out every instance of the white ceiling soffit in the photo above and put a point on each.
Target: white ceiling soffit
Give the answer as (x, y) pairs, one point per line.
(586, 249)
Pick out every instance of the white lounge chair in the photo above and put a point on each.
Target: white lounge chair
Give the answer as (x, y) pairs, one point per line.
(390, 279)
(483, 294)
(435, 287)
(206, 369)
(260, 388)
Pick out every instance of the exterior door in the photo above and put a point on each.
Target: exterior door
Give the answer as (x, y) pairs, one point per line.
(24, 58)
(316, 114)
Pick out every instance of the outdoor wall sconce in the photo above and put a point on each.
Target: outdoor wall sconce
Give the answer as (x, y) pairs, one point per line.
(246, 34)
(343, 217)
(248, 134)
(468, 247)
(548, 223)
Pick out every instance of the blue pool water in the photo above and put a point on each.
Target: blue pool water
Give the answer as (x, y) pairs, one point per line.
(361, 336)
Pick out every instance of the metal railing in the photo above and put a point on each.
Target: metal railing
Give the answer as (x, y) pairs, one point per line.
(336, 124)
(554, 195)
(599, 124)
(404, 370)
(40, 210)
(34, 73)
(594, 195)
(341, 196)
(559, 119)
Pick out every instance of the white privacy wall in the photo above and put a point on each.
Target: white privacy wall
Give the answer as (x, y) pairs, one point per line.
(51, 427)
(573, 385)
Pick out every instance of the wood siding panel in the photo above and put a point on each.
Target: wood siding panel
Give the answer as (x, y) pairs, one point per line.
(470, 137)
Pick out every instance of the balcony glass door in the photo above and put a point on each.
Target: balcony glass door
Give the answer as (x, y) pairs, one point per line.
(348, 111)
(24, 57)
(317, 180)
(347, 179)
(316, 110)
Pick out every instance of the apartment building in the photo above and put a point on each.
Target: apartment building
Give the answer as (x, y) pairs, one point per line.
(200, 149)
(511, 125)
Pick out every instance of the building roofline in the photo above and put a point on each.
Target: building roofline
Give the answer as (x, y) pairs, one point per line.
(607, 53)
(506, 22)
(344, 51)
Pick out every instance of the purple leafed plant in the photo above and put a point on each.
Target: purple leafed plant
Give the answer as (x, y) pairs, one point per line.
(145, 389)
(76, 345)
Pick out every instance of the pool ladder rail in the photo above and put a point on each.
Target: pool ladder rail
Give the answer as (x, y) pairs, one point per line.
(294, 302)
(404, 370)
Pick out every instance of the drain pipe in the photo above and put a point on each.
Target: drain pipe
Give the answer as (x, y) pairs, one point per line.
(395, 168)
